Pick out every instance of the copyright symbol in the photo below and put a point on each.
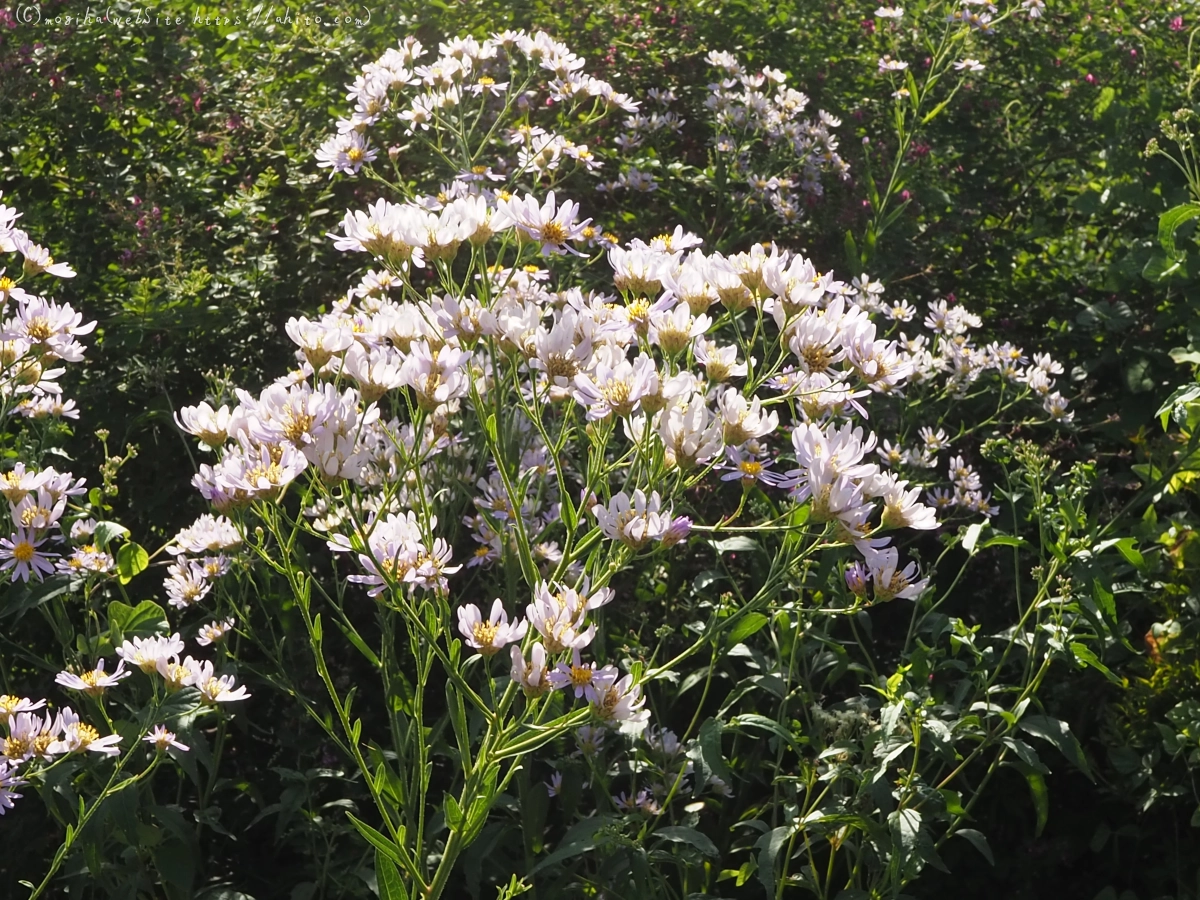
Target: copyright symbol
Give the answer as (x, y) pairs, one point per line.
(29, 15)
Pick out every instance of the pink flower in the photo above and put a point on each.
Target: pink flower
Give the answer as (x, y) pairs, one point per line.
(1177, 23)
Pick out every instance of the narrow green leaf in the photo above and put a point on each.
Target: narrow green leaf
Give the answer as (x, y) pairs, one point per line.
(1058, 733)
(391, 887)
(1041, 799)
(979, 841)
(377, 840)
(1085, 657)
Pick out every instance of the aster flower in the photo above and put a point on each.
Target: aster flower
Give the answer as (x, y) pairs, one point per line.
(78, 736)
(162, 739)
(147, 653)
(213, 689)
(532, 676)
(635, 521)
(889, 580)
(574, 675)
(747, 469)
(20, 552)
(489, 635)
(8, 781)
(550, 224)
(208, 534)
(903, 508)
(617, 700)
(213, 632)
(93, 682)
(30, 736)
(10, 705)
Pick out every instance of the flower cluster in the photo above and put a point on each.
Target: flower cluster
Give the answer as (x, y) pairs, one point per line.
(199, 559)
(37, 338)
(471, 84)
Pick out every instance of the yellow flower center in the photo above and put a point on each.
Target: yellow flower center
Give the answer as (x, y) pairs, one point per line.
(553, 233)
(42, 742)
(23, 551)
(15, 748)
(484, 634)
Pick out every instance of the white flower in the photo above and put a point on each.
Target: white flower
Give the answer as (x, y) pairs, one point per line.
(889, 580)
(550, 224)
(903, 509)
(213, 632)
(690, 434)
(615, 389)
(21, 554)
(489, 635)
(78, 735)
(574, 674)
(346, 152)
(742, 421)
(29, 736)
(38, 259)
(208, 534)
(146, 653)
(186, 584)
(8, 781)
(532, 676)
(94, 681)
(887, 64)
(10, 705)
(889, 12)
(635, 522)
(320, 340)
(215, 690)
(162, 739)
(617, 700)
(969, 65)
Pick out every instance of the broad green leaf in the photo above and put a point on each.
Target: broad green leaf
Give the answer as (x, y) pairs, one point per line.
(132, 559)
(971, 538)
(905, 825)
(106, 531)
(768, 847)
(750, 624)
(689, 836)
(1127, 547)
(1170, 222)
(147, 619)
(580, 839)
(706, 752)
